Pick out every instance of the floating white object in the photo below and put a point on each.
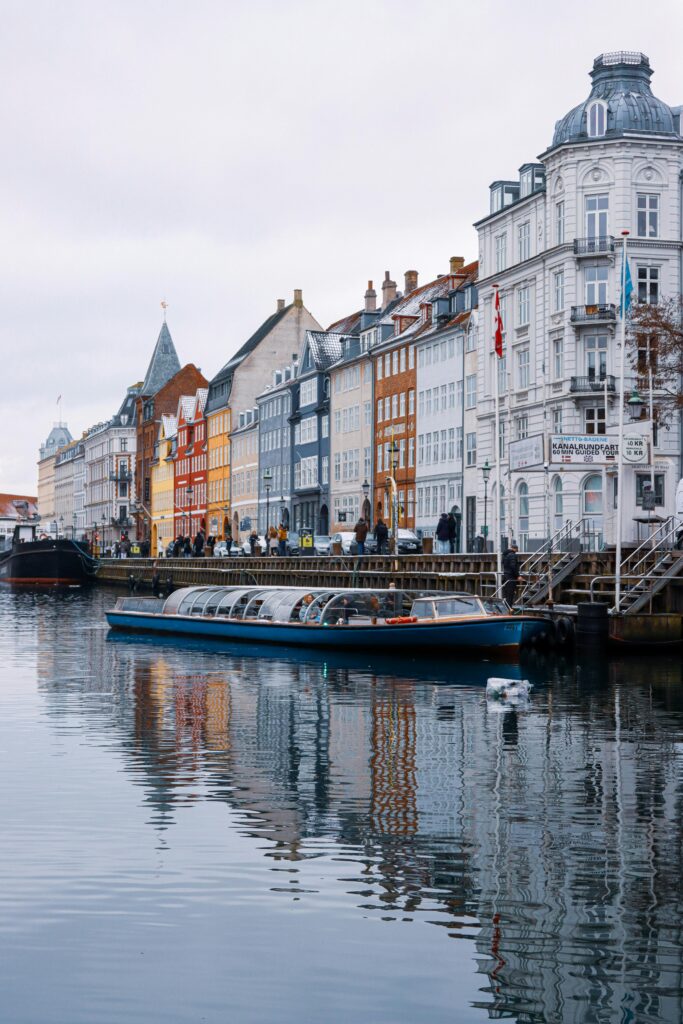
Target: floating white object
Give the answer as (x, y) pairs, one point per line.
(508, 689)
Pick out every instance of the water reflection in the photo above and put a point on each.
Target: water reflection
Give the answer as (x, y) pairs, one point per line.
(549, 838)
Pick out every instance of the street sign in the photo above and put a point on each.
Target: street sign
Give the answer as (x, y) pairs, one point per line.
(635, 448)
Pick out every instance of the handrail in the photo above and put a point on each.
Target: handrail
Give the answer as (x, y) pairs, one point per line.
(648, 546)
(628, 576)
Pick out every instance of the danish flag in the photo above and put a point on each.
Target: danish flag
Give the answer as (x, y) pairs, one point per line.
(498, 320)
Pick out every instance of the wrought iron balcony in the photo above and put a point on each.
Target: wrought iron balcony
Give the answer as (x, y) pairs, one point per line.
(604, 312)
(124, 476)
(593, 385)
(600, 245)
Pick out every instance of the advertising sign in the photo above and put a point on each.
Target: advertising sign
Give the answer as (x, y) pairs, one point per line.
(583, 450)
(526, 452)
(635, 448)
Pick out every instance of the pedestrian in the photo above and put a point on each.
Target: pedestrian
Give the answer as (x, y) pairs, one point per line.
(228, 537)
(198, 546)
(452, 532)
(253, 541)
(381, 536)
(187, 548)
(282, 539)
(210, 545)
(442, 544)
(178, 547)
(272, 540)
(510, 573)
(360, 533)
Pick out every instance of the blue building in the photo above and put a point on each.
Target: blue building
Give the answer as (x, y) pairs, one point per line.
(275, 450)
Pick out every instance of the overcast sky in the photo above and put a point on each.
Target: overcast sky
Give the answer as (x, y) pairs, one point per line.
(221, 154)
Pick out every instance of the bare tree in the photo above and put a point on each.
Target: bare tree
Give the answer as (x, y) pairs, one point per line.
(655, 342)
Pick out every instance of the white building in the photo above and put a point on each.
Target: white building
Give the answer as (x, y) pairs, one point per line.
(69, 478)
(552, 243)
(109, 463)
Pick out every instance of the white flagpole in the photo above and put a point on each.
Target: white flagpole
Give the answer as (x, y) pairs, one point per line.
(620, 481)
(496, 448)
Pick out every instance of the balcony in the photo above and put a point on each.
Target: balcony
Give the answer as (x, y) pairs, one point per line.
(603, 313)
(593, 385)
(600, 245)
(124, 476)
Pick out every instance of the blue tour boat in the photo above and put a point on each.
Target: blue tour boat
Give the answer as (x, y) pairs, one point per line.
(350, 618)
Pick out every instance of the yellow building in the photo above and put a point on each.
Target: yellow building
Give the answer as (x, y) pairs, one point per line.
(162, 487)
(218, 457)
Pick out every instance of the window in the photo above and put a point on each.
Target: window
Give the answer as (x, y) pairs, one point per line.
(421, 403)
(308, 393)
(459, 443)
(597, 209)
(380, 407)
(648, 215)
(522, 306)
(643, 483)
(523, 522)
(523, 241)
(558, 505)
(558, 358)
(411, 357)
(411, 451)
(337, 467)
(367, 468)
(501, 439)
(596, 286)
(557, 420)
(394, 407)
(403, 360)
(402, 400)
(325, 426)
(502, 373)
(592, 495)
(472, 449)
(435, 447)
(521, 427)
(451, 395)
(428, 402)
(387, 364)
(594, 420)
(596, 356)
(325, 469)
(367, 413)
(596, 119)
(379, 458)
(387, 408)
(451, 443)
(558, 290)
(411, 403)
(394, 361)
(559, 223)
(379, 368)
(648, 285)
(471, 399)
(501, 245)
(470, 340)
(523, 368)
(402, 453)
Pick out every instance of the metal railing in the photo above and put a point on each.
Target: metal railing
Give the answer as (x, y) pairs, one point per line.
(596, 246)
(663, 538)
(601, 311)
(605, 382)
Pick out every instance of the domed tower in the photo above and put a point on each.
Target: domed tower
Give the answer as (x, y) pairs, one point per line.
(621, 103)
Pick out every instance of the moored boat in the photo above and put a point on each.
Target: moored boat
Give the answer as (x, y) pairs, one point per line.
(386, 620)
(33, 558)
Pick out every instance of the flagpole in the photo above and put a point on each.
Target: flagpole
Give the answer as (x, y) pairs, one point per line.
(620, 452)
(496, 448)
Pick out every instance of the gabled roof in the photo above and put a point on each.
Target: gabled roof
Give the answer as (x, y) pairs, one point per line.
(163, 365)
(347, 325)
(127, 413)
(168, 427)
(326, 348)
(251, 343)
(191, 407)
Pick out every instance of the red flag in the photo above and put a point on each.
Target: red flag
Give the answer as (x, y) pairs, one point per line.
(498, 327)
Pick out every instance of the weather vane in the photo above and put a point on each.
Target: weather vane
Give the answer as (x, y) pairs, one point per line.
(164, 306)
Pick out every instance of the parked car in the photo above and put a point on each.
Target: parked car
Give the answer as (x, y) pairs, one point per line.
(245, 547)
(322, 544)
(221, 550)
(408, 543)
(346, 538)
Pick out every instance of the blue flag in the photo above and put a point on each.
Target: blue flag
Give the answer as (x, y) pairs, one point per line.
(627, 290)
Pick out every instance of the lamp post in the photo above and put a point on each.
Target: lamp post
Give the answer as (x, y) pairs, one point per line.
(189, 492)
(226, 511)
(104, 525)
(365, 488)
(393, 455)
(267, 484)
(73, 526)
(61, 525)
(486, 473)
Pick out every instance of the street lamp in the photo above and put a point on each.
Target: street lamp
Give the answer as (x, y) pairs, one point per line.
(104, 523)
(393, 456)
(61, 525)
(267, 484)
(365, 488)
(225, 510)
(635, 406)
(486, 473)
(189, 491)
(73, 526)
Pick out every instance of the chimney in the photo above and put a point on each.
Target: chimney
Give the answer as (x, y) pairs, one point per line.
(457, 263)
(410, 281)
(388, 290)
(370, 299)
(280, 304)
(298, 299)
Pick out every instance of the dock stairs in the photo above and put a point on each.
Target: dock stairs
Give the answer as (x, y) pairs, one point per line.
(649, 569)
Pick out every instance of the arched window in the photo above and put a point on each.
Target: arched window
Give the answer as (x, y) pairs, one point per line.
(592, 508)
(597, 119)
(523, 515)
(558, 504)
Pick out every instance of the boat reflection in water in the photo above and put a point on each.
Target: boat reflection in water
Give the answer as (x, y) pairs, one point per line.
(343, 618)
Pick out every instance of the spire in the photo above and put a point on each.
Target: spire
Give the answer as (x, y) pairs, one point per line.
(163, 365)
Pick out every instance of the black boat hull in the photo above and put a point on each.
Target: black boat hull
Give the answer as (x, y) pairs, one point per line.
(47, 562)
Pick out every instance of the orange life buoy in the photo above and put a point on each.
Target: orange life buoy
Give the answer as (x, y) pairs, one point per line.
(400, 619)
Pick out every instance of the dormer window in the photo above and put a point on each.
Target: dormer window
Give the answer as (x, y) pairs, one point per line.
(525, 183)
(597, 119)
(496, 199)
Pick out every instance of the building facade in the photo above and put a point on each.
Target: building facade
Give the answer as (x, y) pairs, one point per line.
(109, 455)
(552, 243)
(244, 469)
(58, 437)
(275, 450)
(163, 487)
(190, 465)
(69, 477)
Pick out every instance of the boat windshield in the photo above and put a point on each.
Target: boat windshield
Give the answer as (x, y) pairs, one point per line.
(496, 607)
(446, 607)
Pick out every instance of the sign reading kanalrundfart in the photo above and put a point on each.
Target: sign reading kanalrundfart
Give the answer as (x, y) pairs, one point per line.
(583, 449)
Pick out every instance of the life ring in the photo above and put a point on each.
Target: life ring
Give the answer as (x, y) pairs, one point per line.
(400, 619)
(564, 631)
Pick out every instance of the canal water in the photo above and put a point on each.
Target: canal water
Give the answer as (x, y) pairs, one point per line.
(197, 834)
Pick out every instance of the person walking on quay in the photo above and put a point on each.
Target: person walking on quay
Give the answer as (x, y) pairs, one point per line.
(381, 536)
(282, 539)
(272, 540)
(452, 531)
(510, 573)
(253, 541)
(210, 545)
(228, 537)
(360, 533)
(198, 546)
(443, 546)
(125, 546)
(178, 547)
(187, 548)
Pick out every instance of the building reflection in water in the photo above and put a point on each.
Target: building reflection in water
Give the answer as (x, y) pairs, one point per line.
(551, 837)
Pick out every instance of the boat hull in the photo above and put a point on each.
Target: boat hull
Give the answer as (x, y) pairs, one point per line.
(500, 634)
(46, 563)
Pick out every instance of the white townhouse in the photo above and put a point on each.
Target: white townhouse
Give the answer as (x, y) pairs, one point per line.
(446, 386)
(552, 244)
(109, 455)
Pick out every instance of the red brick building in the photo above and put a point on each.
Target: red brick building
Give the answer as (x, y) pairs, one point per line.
(190, 473)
